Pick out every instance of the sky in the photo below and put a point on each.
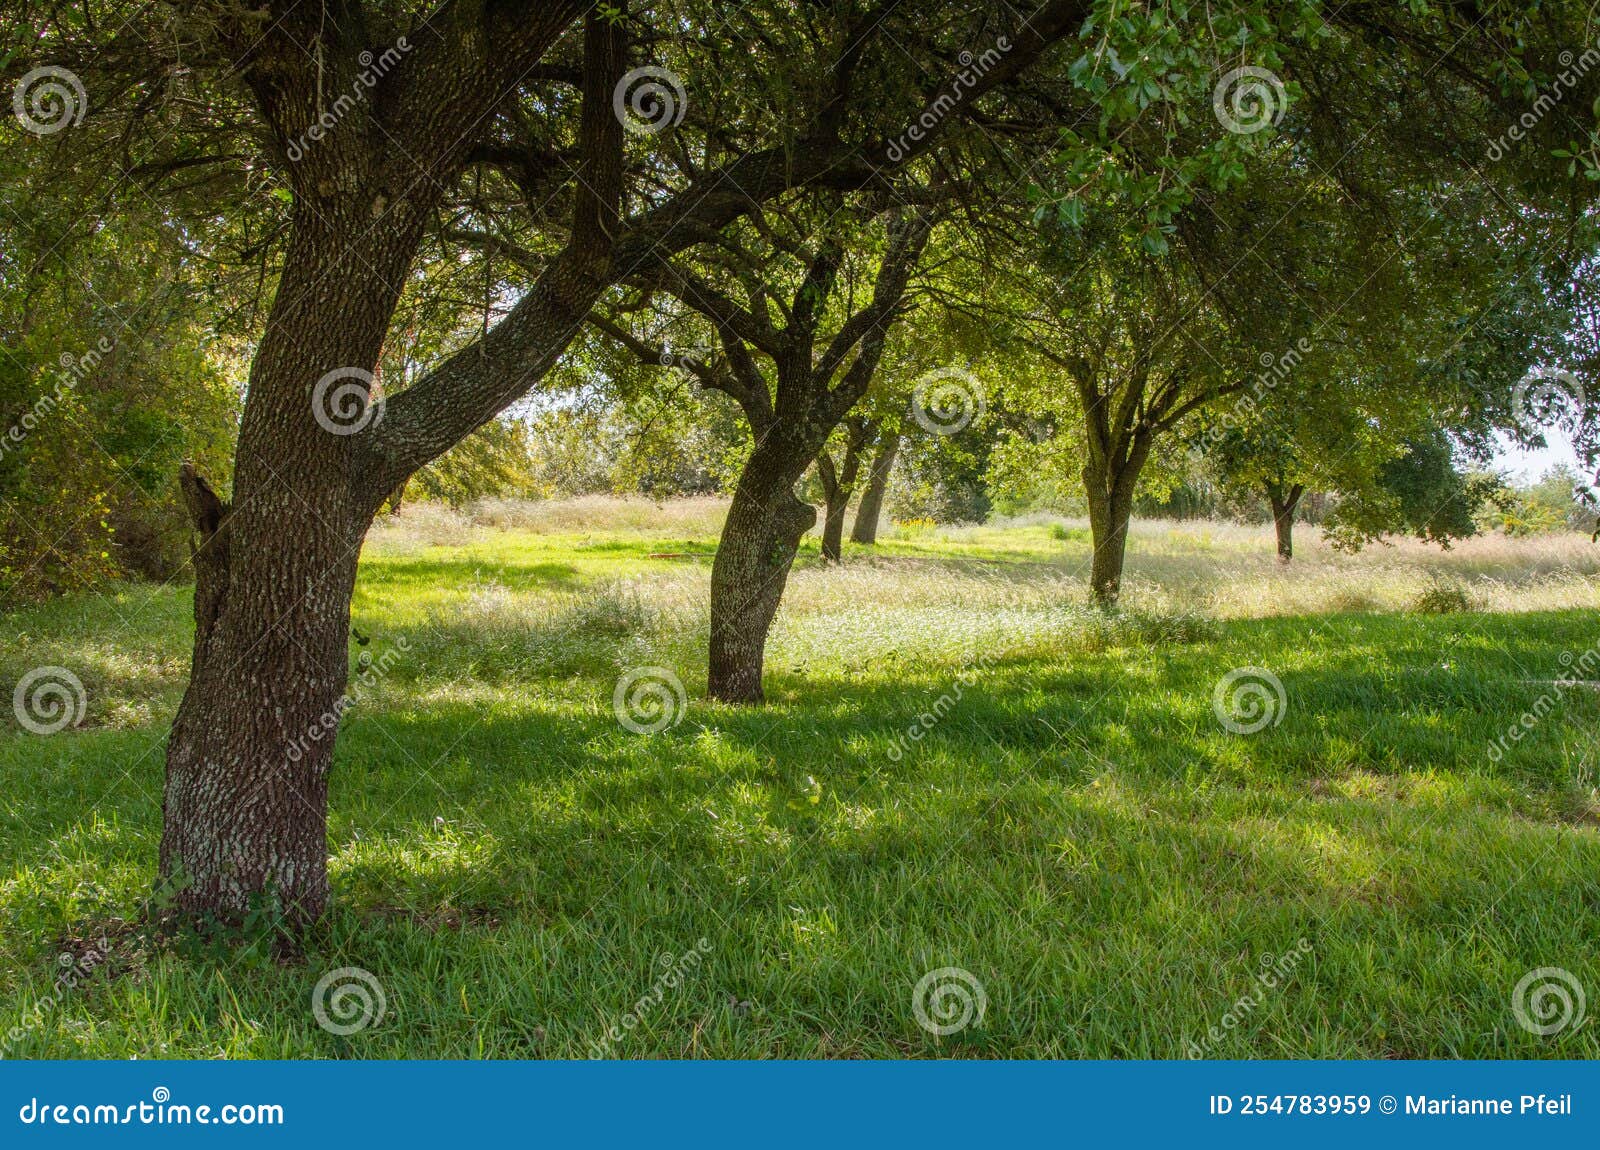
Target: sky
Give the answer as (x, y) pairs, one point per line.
(1521, 464)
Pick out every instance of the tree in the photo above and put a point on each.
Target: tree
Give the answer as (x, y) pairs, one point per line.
(821, 350)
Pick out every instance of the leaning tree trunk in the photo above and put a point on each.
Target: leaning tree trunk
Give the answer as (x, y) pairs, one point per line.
(760, 537)
(245, 799)
(870, 510)
(1283, 509)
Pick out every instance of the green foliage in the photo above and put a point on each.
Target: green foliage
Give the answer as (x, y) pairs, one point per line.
(1549, 506)
(1421, 493)
(493, 461)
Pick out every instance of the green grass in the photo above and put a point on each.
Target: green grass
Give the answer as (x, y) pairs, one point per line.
(1077, 830)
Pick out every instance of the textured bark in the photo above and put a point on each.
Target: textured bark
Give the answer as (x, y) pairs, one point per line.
(1284, 502)
(244, 810)
(765, 524)
(870, 510)
(244, 806)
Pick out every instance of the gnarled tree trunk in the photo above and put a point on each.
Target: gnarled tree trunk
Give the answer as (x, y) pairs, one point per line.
(760, 537)
(244, 808)
(245, 799)
(870, 510)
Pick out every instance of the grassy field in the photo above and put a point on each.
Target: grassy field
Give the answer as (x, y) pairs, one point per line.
(962, 768)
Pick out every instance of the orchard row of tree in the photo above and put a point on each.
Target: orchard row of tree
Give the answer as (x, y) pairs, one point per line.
(1087, 243)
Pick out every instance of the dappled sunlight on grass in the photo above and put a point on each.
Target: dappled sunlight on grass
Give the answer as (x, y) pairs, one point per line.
(962, 764)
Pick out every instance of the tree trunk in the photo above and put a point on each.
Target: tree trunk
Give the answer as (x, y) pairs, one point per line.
(870, 510)
(1283, 509)
(1110, 498)
(760, 537)
(837, 502)
(838, 485)
(1108, 525)
(245, 799)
